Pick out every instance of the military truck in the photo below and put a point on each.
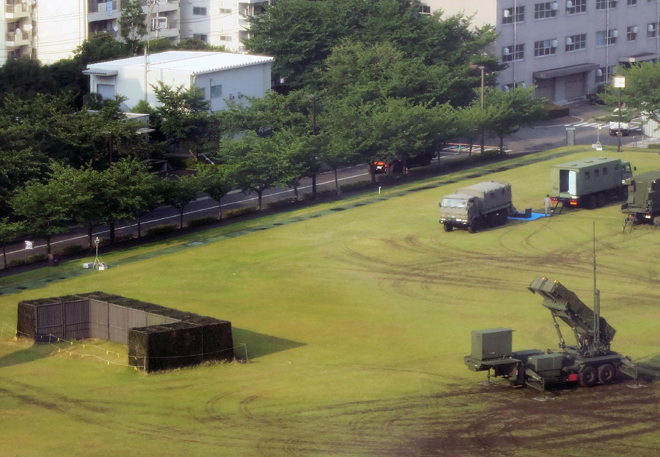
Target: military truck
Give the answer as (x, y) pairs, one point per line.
(480, 205)
(643, 203)
(589, 183)
(589, 362)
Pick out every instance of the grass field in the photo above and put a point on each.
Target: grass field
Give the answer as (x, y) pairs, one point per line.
(356, 315)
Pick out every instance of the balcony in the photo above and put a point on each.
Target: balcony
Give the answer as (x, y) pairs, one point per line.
(17, 10)
(17, 38)
(167, 29)
(100, 11)
(162, 5)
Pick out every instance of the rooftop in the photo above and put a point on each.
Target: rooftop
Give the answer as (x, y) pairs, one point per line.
(190, 62)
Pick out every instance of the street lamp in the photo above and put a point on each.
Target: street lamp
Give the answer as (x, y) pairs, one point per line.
(620, 83)
(483, 70)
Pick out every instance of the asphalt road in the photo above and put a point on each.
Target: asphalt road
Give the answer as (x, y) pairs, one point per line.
(542, 136)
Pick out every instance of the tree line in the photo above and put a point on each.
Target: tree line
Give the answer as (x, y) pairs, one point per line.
(356, 82)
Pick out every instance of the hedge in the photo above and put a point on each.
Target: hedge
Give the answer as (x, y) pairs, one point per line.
(160, 230)
(200, 221)
(239, 212)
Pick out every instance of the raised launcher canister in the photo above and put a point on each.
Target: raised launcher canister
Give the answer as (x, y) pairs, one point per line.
(588, 362)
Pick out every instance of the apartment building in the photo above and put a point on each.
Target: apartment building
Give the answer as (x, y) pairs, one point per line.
(17, 29)
(566, 48)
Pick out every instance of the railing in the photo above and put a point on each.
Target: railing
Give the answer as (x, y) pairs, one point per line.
(96, 6)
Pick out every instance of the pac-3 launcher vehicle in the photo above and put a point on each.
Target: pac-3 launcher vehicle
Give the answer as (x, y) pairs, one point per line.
(643, 199)
(588, 362)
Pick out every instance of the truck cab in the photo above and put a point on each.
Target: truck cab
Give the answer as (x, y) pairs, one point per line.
(458, 209)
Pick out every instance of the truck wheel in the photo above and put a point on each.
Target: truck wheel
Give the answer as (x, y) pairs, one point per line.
(656, 221)
(606, 373)
(588, 376)
(474, 226)
(448, 227)
(600, 200)
(591, 204)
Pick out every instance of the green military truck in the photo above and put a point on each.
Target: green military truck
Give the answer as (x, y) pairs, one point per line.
(481, 205)
(589, 183)
(587, 362)
(643, 203)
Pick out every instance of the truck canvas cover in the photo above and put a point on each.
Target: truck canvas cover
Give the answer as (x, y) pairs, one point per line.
(493, 193)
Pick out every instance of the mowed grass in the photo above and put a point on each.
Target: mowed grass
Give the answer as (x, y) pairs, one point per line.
(356, 323)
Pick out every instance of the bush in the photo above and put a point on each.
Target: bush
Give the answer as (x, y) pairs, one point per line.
(105, 241)
(281, 203)
(388, 178)
(199, 221)
(71, 249)
(327, 193)
(355, 185)
(181, 162)
(555, 111)
(30, 259)
(122, 238)
(654, 146)
(239, 212)
(486, 156)
(160, 230)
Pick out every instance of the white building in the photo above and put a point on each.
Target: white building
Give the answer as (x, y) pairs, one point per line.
(220, 75)
(16, 28)
(566, 48)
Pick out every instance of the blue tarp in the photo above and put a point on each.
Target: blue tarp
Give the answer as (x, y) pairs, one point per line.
(533, 218)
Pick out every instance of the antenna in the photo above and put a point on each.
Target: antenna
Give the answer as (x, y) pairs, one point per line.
(596, 297)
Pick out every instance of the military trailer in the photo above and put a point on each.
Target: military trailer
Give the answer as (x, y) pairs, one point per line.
(480, 205)
(589, 183)
(589, 362)
(643, 199)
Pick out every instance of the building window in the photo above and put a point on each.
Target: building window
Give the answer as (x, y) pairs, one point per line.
(216, 91)
(201, 36)
(545, 48)
(225, 10)
(604, 171)
(632, 2)
(511, 53)
(508, 17)
(587, 175)
(199, 10)
(603, 74)
(425, 9)
(576, 42)
(651, 30)
(631, 33)
(605, 4)
(508, 87)
(576, 6)
(606, 37)
(225, 38)
(545, 10)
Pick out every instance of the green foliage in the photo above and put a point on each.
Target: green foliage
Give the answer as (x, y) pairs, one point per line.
(195, 44)
(282, 203)
(355, 186)
(653, 146)
(100, 47)
(160, 230)
(238, 212)
(555, 111)
(180, 192)
(71, 249)
(216, 181)
(201, 221)
(34, 258)
(641, 96)
(132, 23)
(123, 238)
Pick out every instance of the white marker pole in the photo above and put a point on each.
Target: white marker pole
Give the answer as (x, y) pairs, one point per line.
(378, 190)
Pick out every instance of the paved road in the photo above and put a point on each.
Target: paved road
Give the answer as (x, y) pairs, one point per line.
(544, 135)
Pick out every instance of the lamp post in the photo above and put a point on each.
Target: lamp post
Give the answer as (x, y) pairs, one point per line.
(483, 71)
(620, 83)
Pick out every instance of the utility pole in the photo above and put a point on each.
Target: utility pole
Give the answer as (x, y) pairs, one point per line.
(620, 83)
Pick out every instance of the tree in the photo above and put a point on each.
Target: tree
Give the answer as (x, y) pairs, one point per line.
(180, 192)
(100, 47)
(141, 190)
(9, 232)
(256, 163)
(509, 112)
(184, 118)
(132, 23)
(216, 181)
(45, 208)
(641, 96)
(471, 122)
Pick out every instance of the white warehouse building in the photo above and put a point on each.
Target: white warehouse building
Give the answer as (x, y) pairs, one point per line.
(220, 75)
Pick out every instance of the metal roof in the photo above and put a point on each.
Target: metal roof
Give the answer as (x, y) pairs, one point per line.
(191, 62)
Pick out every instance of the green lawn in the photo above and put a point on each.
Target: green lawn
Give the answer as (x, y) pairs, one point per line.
(356, 323)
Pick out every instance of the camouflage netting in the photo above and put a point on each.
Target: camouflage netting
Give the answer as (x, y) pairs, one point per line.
(181, 339)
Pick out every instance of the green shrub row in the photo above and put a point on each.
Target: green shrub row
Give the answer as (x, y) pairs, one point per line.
(327, 193)
(200, 221)
(239, 212)
(555, 111)
(355, 186)
(72, 249)
(160, 230)
(654, 146)
(281, 203)
(30, 259)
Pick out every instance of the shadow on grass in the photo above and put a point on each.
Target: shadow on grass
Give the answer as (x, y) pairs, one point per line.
(25, 355)
(649, 370)
(259, 344)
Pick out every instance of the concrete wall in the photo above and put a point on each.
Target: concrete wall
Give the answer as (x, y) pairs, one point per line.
(61, 28)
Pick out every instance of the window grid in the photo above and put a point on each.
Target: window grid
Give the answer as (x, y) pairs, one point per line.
(199, 11)
(216, 91)
(544, 10)
(579, 6)
(511, 18)
(605, 73)
(632, 2)
(631, 33)
(651, 30)
(544, 48)
(516, 52)
(605, 38)
(605, 4)
(577, 42)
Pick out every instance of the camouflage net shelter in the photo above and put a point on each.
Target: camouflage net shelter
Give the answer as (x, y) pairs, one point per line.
(158, 338)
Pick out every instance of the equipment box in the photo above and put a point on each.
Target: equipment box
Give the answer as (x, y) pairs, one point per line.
(546, 362)
(491, 343)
